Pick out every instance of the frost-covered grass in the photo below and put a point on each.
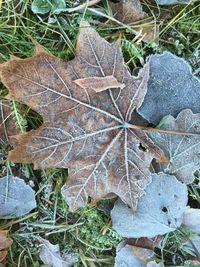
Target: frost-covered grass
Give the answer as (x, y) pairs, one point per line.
(88, 231)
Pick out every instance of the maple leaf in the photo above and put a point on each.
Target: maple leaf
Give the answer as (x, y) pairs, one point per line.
(182, 150)
(90, 133)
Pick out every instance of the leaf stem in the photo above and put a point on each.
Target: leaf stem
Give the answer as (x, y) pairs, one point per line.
(151, 129)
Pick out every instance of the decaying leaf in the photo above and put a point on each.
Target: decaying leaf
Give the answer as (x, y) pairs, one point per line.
(90, 133)
(128, 11)
(171, 88)
(5, 243)
(182, 151)
(131, 256)
(99, 84)
(191, 219)
(143, 242)
(8, 128)
(16, 198)
(159, 211)
(51, 256)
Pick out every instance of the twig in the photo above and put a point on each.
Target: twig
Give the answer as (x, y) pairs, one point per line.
(82, 6)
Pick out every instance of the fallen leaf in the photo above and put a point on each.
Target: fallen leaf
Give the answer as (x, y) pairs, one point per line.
(99, 84)
(51, 256)
(182, 151)
(171, 88)
(191, 219)
(5, 243)
(90, 133)
(172, 2)
(143, 242)
(159, 211)
(128, 11)
(131, 256)
(16, 198)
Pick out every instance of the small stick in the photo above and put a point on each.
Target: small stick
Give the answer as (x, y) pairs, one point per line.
(82, 6)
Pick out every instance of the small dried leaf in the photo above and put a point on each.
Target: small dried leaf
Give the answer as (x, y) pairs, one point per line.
(182, 150)
(51, 256)
(99, 84)
(128, 11)
(90, 133)
(159, 211)
(16, 198)
(4, 244)
(171, 88)
(191, 219)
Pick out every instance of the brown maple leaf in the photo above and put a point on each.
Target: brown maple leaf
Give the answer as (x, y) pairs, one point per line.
(93, 134)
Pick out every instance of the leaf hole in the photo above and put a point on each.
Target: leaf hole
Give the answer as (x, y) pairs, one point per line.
(169, 222)
(165, 209)
(141, 147)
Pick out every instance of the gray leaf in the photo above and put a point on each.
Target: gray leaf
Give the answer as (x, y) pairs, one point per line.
(172, 2)
(130, 256)
(159, 211)
(51, 256)
(171, 88)
(182, 150)
(16, 198)
(191, 219)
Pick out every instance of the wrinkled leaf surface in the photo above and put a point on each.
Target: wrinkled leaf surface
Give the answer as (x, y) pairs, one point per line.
(171, 88)
(88, 132)
(16, 198)
(191, 219)
(131, 256)
(182, 150)
(159, 211)
(51, 256)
